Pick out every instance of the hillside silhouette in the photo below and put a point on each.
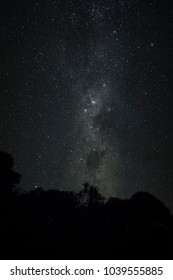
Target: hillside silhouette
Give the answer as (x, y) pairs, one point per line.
(58, 224)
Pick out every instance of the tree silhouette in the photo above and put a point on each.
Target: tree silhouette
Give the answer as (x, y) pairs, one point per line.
(145, 208)
(90, 196)
(9, 179)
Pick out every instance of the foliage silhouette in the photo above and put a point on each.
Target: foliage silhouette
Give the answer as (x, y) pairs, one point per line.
(65, 225)
(90, 196)
(9, 179)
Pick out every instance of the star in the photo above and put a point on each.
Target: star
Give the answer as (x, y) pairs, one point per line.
(93, 102)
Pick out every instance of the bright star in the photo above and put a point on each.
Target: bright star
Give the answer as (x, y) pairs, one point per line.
(93, 102)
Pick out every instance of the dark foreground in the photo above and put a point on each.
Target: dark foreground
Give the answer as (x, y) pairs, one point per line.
(63, 225)
(60, 225)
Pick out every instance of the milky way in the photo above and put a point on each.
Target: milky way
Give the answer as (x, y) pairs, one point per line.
(93, 152)
(95, 156)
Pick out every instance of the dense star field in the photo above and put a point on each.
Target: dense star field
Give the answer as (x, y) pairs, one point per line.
(86, 94)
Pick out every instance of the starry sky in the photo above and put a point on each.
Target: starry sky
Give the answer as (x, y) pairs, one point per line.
(86, 94)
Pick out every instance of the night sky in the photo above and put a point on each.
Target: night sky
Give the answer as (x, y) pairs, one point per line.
(86, 94)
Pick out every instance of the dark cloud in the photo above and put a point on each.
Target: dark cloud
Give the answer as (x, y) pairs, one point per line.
(94, 159)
